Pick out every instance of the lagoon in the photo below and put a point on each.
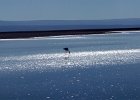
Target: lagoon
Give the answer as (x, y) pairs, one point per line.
(100, 67)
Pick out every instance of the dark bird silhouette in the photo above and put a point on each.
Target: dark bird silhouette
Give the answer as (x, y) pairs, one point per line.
(67, 50)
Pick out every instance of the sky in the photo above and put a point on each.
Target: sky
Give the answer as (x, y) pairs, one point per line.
(68, 9)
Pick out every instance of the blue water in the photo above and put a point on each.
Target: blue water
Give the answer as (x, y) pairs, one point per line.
(100, 67)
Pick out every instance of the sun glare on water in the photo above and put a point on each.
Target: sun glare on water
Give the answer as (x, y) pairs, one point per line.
(73, 60)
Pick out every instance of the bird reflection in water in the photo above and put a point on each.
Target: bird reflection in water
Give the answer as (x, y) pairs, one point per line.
(67, 53)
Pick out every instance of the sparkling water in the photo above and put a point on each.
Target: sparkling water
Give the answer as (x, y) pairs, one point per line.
(99, 67)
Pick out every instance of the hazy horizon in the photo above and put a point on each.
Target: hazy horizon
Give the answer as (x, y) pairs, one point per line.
(69, 19)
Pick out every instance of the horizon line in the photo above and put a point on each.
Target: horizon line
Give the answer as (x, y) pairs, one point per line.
(68, 19)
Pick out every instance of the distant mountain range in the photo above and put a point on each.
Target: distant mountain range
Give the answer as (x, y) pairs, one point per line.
(46, 25)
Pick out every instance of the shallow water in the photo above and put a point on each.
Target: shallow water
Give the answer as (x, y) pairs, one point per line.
(100, 67)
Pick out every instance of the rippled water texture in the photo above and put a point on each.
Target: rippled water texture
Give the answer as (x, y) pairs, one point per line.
(76, 59)
(99, 67)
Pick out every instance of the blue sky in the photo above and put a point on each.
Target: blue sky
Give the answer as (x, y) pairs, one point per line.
(68, 9)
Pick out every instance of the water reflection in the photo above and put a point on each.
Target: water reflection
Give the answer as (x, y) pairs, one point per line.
(43, 62)
(118, 82)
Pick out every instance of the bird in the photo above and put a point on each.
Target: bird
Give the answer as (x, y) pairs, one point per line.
(66, 50)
